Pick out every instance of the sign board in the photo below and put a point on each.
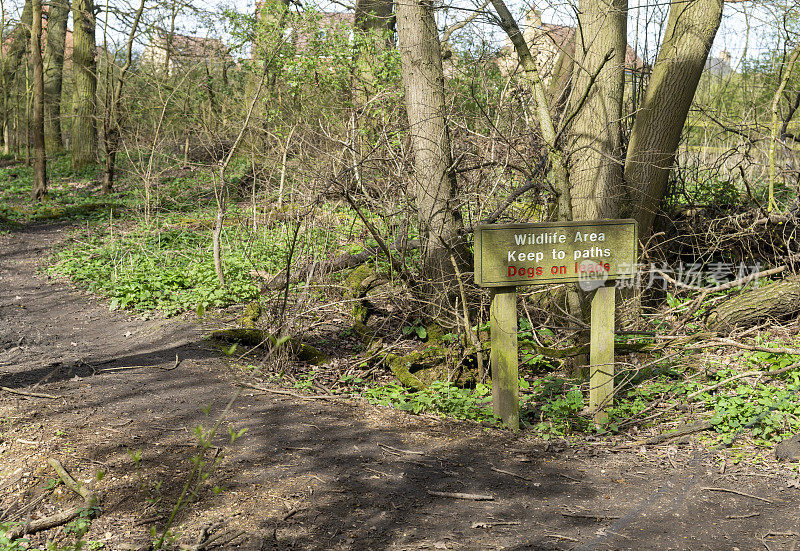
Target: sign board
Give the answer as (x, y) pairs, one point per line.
(589, 253)
(509, 255)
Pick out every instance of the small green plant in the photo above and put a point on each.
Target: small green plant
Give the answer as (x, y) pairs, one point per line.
(440, 397)
(306, 381)
(51, 483)
(416, 328)
(9, 544)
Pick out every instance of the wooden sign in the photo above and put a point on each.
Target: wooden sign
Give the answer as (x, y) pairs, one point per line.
(535, 254)
(589, 253)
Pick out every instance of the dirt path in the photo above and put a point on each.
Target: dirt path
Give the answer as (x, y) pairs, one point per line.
(314, 474)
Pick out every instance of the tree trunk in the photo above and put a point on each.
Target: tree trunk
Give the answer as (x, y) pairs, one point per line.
(437, 209)
(778, 300)
(40, 159)
(658, 125)
(84, 131)
(595, 136)
(53, 71)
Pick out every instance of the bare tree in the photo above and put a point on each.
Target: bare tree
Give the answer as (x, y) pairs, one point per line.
(12, 54)
(111, 116)
(40, 158)
(595, 134)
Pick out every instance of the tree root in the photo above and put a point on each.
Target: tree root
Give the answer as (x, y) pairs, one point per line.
(57, 519)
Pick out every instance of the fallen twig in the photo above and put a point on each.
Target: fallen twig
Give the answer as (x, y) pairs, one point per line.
(737, 517)
(730, 342)
(495, 469)
(459, 495)
(724, 286)
(126, 367)
(664, 437)
(591, 516)
(491, 524)
(29, 394)
(560, 537)
(294, 394)
(412, 452)
(292, 512)
(57, 519)
(737, 492)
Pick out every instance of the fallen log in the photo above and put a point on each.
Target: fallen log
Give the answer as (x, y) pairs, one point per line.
(779, 301)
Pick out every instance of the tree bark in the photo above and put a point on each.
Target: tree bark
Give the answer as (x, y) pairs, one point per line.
(53, 73)
(595, 135)
(84, 131)
(40, 159)
(437, 208)
(658, 125)
(778, 300)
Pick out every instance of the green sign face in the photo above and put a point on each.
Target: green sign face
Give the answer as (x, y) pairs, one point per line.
(508, 255)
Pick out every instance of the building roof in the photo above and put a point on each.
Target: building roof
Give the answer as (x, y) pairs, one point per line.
(563, 36)
(190, 47)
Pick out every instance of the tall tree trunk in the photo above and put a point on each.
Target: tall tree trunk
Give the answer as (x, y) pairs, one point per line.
(40, 158)
(53, 71)
(437, 208)
(84, 130)
(595, 136)
(658, 125)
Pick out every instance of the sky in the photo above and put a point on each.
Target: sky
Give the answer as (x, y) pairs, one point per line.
(748, 28)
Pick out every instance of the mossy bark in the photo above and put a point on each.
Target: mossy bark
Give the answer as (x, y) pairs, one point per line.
(358, 284)
(84, 131)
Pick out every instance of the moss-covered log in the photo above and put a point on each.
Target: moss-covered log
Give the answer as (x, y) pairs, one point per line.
(256, 337)
(358, 284)
(779, 300)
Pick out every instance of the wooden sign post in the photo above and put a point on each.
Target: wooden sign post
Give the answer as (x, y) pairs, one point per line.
(504, 356)
(591, 253)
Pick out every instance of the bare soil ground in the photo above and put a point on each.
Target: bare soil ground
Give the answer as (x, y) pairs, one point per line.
(322, 474)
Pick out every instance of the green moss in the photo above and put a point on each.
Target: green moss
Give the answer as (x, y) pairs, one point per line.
(248, 336)
(254, 337)
(434, 333)
(419, 369)
(354, 290)
(308, 353)
(355, 278)
(252, 313)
